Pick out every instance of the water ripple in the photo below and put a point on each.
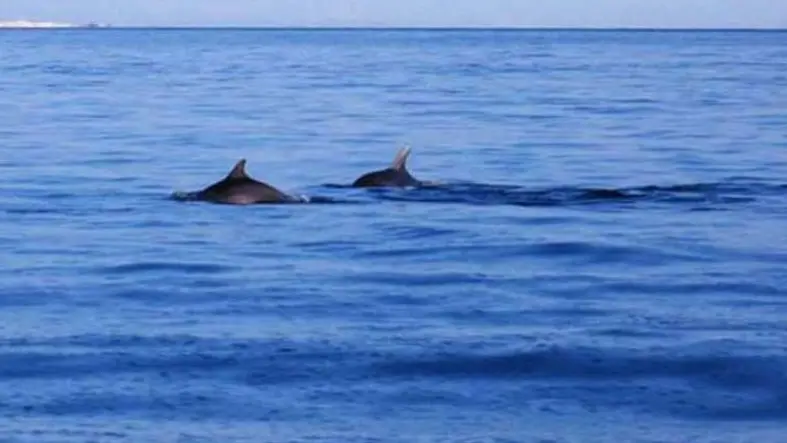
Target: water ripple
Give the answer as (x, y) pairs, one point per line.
(601, 258)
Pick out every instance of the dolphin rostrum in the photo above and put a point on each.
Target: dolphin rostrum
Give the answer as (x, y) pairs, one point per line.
(395, 175)
(238, 188)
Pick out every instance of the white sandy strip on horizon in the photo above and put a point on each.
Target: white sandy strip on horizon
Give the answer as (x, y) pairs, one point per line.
(31, 24)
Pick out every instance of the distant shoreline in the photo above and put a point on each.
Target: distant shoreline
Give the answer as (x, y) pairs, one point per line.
(29, 24)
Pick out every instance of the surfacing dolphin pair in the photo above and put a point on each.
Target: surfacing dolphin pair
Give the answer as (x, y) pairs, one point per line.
(238, 188)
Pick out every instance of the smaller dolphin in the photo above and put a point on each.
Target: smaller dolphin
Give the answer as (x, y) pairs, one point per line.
(395, 175)
(238, 188)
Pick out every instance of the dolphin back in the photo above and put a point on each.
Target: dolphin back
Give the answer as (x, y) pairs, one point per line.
(396, 175)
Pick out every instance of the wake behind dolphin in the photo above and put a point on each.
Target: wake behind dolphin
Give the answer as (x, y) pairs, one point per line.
(238, 188)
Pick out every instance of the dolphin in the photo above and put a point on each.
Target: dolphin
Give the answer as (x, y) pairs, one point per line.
(395, 175)
(238, 188)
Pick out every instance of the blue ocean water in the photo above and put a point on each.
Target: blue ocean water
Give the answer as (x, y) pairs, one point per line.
(604, 260)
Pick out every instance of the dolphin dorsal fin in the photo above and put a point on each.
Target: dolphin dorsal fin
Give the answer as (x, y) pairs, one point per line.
(239, 170)
(400, 161)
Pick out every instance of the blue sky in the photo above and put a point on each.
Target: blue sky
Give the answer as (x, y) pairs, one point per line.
(541, 13)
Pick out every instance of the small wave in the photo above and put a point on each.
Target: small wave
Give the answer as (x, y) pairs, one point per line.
(317, 199)
(589, 363)
(711, 384)
(85, 356)
(31, 211)
(183, 196)
(723, 387)
(727, 288)
(715, 367)
(147, 267)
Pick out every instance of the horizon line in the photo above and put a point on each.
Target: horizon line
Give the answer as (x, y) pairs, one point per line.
(106, 26)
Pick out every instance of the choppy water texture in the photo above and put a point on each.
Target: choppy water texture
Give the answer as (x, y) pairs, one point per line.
(604, 260)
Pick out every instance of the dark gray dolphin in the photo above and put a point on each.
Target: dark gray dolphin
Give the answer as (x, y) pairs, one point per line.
(238, 188)
(395, 175)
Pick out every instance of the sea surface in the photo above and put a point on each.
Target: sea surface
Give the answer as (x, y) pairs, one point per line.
(603, 260)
